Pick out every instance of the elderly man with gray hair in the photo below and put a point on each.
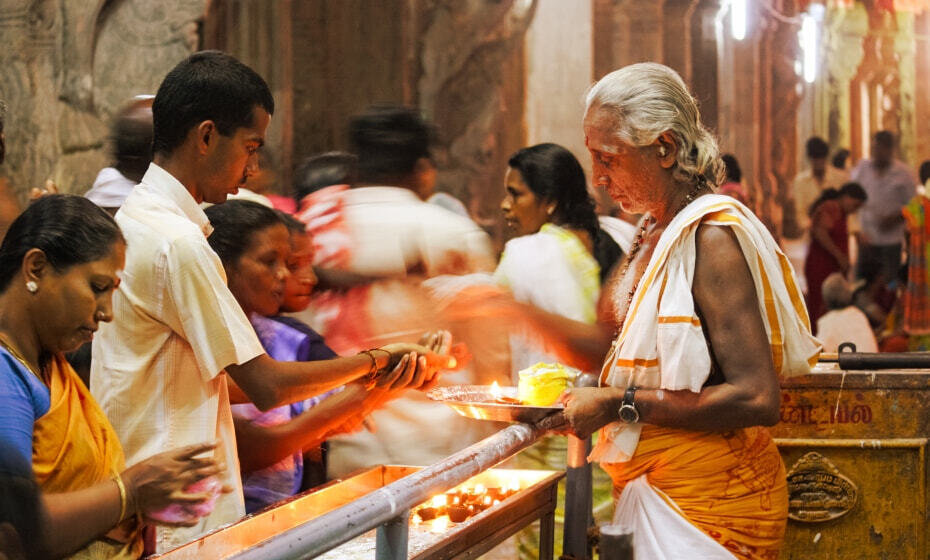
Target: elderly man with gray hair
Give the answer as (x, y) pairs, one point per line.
(696, 331)
(843, 321)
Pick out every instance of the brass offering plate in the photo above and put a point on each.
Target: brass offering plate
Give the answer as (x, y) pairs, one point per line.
(477, 401)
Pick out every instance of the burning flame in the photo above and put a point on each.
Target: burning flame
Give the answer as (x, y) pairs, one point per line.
(495, 390)
(479, 488)
(440, 500)
(487, 500)
(439, 525)
(513, 485)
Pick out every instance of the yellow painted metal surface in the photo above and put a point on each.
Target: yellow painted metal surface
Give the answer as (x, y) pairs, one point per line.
(872, 428)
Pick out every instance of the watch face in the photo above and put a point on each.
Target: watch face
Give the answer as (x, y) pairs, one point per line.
(629, 414)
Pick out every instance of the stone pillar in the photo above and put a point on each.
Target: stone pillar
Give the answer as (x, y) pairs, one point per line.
(780, 92)
(704, 59)
(739, 72)
(555, 100)
(259, 34)
(922, 78)
(473, 73)
(461, 63)
(904, 54)
(843, 35)
(676, 39)
(627, 31)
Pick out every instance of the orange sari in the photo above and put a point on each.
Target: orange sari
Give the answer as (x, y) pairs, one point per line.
(731, 485)
(75, 447)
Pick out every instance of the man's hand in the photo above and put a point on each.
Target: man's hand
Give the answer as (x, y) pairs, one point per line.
(588, 409)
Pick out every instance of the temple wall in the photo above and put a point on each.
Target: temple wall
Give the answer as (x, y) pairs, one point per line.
(492, 76)
(68, 65)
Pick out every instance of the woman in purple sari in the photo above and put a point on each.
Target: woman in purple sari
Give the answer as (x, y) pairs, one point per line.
(267, 264)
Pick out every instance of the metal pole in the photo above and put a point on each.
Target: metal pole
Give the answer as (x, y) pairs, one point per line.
(616, 543)
(343, 524)
(391, 539)
(578, 491)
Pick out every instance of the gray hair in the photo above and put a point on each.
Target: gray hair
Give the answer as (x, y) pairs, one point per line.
(836, 292)
(646, 99)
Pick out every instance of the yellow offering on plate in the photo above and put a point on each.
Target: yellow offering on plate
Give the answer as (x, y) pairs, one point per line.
(541, 384)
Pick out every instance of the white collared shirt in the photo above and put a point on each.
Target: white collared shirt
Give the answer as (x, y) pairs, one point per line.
(157, 368)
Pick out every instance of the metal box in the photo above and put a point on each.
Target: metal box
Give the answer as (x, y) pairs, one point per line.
(855, 447)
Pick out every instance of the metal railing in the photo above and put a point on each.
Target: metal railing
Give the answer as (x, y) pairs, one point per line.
(388, 508)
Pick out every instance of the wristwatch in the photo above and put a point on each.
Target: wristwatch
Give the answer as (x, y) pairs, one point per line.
(628, 412)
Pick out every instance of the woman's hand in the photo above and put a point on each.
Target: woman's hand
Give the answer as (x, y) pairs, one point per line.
(421, 362)
(587, 409)
(413, 371)
(159, 481)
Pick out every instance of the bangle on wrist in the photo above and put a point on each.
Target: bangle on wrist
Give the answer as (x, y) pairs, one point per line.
(123, 500)
(389, 356)
(371, 378)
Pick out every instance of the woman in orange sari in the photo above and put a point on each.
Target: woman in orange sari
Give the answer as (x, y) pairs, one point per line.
(59, 265)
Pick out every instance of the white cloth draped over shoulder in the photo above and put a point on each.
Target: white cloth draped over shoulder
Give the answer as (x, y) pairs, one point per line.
(662, 344)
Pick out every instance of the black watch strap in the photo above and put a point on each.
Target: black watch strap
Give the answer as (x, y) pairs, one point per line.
(629, 395)
(628, 412)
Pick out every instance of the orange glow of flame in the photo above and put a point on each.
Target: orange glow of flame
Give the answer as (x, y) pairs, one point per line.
(487, 500)
(439, 524)
(440, 500)
(479, 488)
(495, 390)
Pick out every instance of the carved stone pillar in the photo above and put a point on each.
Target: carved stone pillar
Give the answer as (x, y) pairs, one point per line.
(472, 84)
(843, 34)
(922, 77)
(68, 65)
(780, 98)
(877, 86)
(904, 46)
(627, 31)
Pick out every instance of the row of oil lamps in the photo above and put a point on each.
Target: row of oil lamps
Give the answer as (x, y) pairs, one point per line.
(459, 504)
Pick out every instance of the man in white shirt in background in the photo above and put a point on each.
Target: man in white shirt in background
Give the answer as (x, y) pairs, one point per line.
(159, 368)
(890, 184)
(394, 239)
(806, 187)
(843, 322)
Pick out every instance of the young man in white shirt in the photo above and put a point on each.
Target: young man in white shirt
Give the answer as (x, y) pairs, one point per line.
(158, 368)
